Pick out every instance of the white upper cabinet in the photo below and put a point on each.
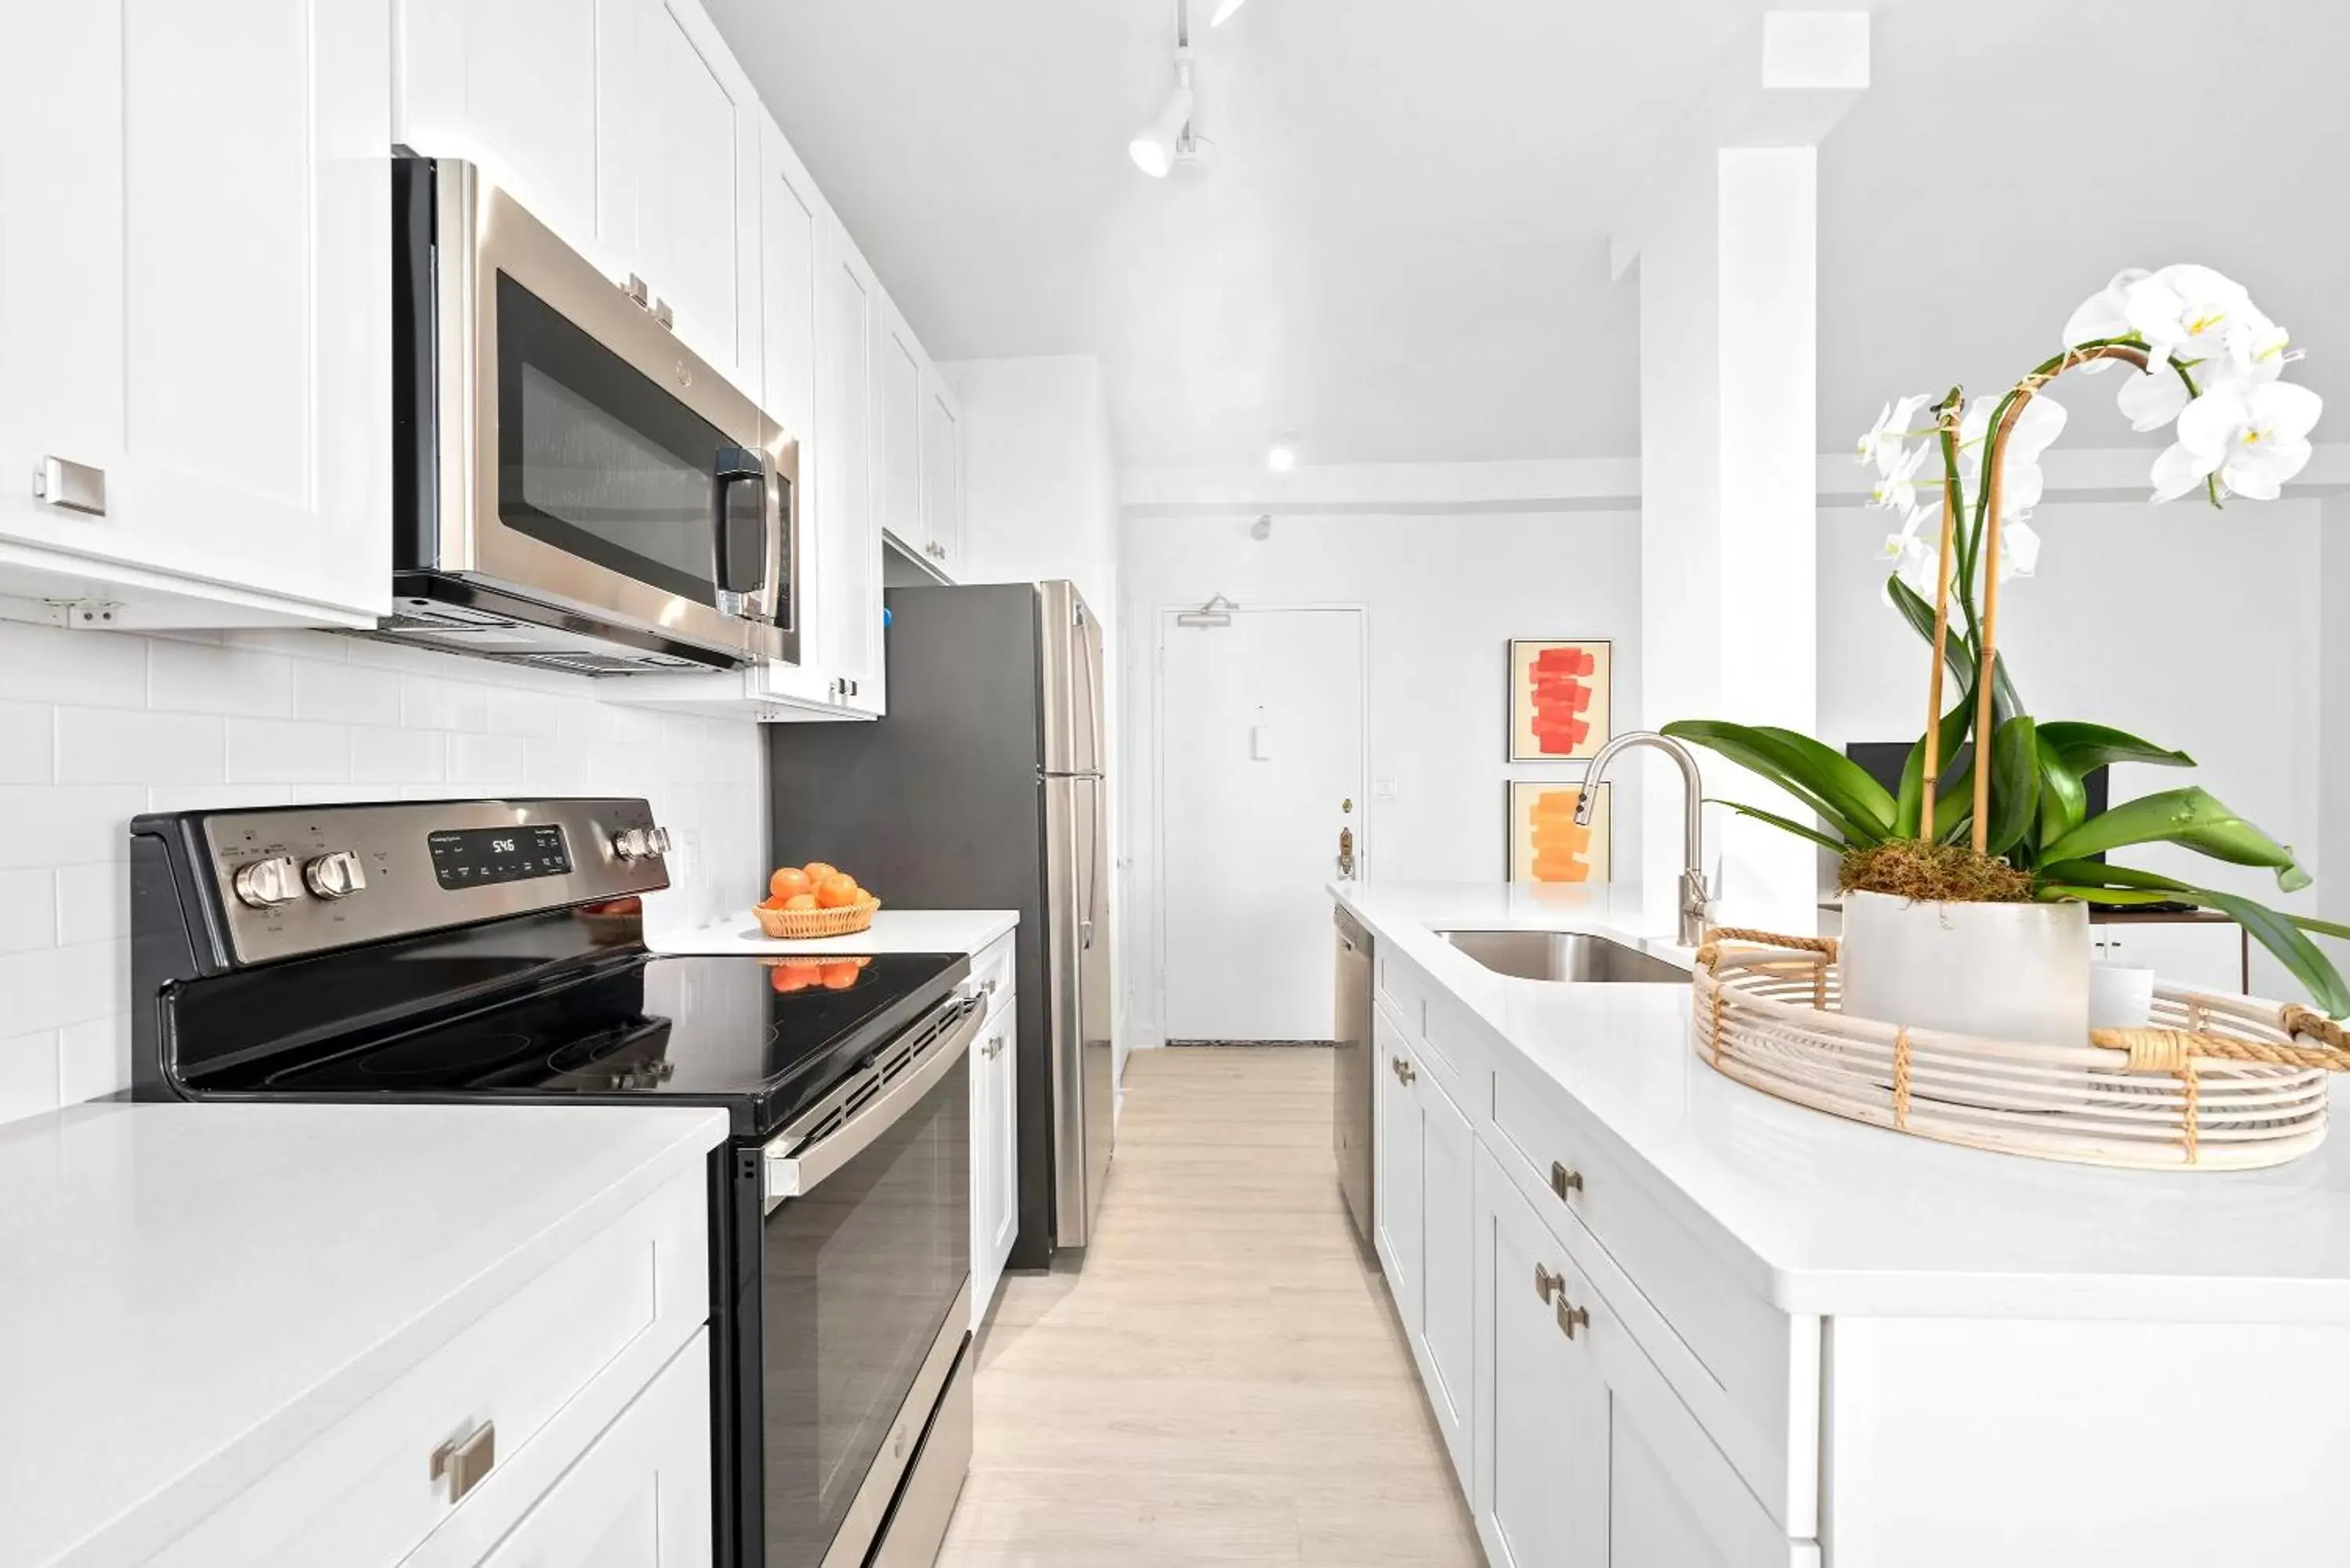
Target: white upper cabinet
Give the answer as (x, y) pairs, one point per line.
(898, 364)
(942, 482)
(535, 92)
(195, 298)
(697, 128)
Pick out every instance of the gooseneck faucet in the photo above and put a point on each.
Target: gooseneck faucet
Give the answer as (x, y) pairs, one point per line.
(1694, 895)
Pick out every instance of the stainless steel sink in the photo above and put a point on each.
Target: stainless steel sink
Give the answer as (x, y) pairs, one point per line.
(1575, 956)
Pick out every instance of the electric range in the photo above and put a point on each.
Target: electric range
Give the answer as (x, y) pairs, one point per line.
(475, 951)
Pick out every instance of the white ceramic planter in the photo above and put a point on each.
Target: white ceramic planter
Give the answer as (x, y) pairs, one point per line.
(2000, 971)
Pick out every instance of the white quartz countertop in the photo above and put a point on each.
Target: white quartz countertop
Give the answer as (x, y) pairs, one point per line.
(190, 1293)
(1835, 1217)
(894, 931)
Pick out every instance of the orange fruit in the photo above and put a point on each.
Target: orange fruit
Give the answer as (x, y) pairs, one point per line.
(836, 891)
(817, 870)
(791, 977)
(791, 880)
(771, 903)
(800, 901)
(840, 976)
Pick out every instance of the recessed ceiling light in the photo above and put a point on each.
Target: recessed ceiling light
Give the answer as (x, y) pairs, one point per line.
(1281, 457)
(1225, 8)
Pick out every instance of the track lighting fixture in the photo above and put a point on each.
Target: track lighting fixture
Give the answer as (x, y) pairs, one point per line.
(1160, 145)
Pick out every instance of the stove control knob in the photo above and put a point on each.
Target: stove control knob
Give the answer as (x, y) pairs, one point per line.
(634, 843)
(335, 875)
(267, 884)
(658, 839)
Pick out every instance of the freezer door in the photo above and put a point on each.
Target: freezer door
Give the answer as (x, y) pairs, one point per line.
(1078, 962)
(1071, 679)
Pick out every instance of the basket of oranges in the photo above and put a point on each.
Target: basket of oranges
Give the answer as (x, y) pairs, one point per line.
(816, 899)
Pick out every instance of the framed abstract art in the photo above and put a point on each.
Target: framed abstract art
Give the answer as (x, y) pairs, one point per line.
(1546, 845)
(1559, 700)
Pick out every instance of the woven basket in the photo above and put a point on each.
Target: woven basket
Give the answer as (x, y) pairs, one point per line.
(802, 925)
(2214, 1083)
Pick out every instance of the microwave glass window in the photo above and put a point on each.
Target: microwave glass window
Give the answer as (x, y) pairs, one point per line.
(596, 459)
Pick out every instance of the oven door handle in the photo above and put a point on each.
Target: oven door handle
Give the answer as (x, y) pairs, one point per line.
(790, 1175)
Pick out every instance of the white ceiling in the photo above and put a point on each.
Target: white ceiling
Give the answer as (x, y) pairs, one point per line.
(1401, 252)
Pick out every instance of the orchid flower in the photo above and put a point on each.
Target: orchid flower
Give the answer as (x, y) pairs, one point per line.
(1915, 558)
(1881, 443)
(2021, 482)
(2254, 437)
(1897, 481)
(2105, 313)
(2185, 313)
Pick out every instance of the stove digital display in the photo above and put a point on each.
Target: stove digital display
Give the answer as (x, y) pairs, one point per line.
(475, 856)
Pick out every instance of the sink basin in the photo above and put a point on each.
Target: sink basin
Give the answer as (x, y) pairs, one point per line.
(1575, 956)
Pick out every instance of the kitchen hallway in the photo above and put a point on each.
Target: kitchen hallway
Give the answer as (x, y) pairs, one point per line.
(1224, 1383)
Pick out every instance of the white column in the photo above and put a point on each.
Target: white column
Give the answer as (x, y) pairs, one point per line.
(1726, 236)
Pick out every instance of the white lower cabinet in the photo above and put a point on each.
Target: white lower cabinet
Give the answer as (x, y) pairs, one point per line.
(639, 1497)
(1396, 1159)
(995, 1147)
(1448, 1156)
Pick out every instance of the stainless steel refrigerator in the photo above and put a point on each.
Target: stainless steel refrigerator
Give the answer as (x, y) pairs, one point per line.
(984, 788)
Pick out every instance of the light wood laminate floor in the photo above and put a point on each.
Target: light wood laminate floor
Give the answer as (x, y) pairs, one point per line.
(1223, 1381)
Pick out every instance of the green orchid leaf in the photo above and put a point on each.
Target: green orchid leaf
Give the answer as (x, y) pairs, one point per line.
(2014, 785)
(1828, 782)
(1783, 824)
(2063, 798)
(2084, 747)
(2119, 898)
(1912, 794)
(2191, 818)
(2280, 933)
(1957, 651)
(2323, 928)
(1954, 807)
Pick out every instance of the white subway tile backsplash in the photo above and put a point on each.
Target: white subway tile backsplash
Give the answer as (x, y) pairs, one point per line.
(482, 759)
(28, 1074)
(345, 693)
(28, 916)
(88, 668)
(25, 755)
(287, 751)
(93, 1058)
(93, 903)
(117, 746)
(50, 827)
(198, 678)
(97, 727)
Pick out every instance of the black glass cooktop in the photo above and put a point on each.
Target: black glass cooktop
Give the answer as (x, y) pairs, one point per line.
(763, 1037)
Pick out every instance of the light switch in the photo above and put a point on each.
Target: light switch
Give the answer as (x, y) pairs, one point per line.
(1261, 742)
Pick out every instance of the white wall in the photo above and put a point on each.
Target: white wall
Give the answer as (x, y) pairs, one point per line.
(2194, 629)
(2334, 718)
(95, 727)
(1445, 594)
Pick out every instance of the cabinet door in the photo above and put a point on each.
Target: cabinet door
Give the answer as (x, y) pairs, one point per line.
(640, 1496)
(1007, 1137)
(943, 485)
(2208, 954)
(1541, 1487)
(1448, 1221)
(1396, 1168)
(536, 93)
(698, 198)
(216, 340)
(898, 431)
(995, 1196)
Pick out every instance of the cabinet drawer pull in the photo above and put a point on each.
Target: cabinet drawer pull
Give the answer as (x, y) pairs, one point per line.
(1571, 1318)
(1547, 1285)
(76, 486)
(1403, 1072)
(465, 1460)
(1563, 1181)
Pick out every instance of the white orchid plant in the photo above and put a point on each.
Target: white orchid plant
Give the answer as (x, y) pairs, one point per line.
(2199, 356)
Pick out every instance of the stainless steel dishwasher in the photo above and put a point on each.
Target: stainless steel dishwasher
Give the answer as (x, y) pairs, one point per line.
(1350, 1122)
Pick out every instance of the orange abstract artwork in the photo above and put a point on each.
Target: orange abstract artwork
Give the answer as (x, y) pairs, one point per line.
(1546, 844)
(1558, 700)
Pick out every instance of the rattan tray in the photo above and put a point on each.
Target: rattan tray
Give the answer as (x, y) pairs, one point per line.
(803, 925)
(2214, 1083)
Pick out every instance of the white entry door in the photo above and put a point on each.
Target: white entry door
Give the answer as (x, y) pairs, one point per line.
(1261, 769)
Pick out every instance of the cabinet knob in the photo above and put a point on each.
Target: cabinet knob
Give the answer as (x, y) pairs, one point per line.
(1571, 1318)
(1548, 1285)
(466, 1460)
(1563, 1181)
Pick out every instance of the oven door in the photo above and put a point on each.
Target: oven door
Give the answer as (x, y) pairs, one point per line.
(587, 457)
(864, 1307)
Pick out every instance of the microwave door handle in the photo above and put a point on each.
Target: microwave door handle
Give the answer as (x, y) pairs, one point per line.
(735, 465)
(790, 1175)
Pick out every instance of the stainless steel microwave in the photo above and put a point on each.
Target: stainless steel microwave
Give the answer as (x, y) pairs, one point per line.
(573, 486)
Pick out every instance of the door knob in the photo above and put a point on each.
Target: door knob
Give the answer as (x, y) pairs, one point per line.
(1346, 852)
